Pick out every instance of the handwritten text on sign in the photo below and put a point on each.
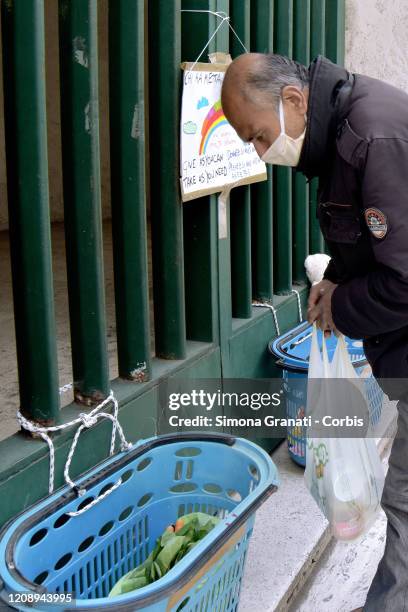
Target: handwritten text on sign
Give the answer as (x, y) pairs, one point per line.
(212, 154)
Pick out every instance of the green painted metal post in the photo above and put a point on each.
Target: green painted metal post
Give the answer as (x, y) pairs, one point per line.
(283, 176)
(241, 268)
(261, 193)
(197, 30)
(200, 215)
(200, 269)
(82, 197)
(221, 43)
(28, 200)
(240, 198)
(317, 46)
(127, 141)
(335, 36)
(335, 30)
(317, 27)
(240, 13)
(166, 207)
(300, 230)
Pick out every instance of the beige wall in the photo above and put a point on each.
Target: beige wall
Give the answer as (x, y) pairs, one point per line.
(377, 39)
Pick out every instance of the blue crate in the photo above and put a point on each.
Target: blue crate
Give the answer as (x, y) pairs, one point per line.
(44, 550)
(293, 351)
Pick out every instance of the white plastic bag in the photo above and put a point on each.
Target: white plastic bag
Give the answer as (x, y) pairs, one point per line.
(344, 475)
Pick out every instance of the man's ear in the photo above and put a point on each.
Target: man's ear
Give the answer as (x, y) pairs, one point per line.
(296, 97)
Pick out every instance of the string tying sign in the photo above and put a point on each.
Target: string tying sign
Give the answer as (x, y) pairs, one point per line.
(213, 156)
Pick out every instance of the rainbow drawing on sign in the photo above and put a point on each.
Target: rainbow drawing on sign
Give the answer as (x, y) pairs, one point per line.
(213, 120)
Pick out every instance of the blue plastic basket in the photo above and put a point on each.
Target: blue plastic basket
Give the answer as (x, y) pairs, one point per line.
(293, 350)
(45, 551)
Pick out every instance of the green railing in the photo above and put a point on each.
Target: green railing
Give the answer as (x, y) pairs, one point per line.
(203, 286)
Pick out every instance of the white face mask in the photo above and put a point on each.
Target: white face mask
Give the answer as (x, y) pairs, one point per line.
(284, 151)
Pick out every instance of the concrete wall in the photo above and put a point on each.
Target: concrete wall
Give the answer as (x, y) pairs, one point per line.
(377, 40)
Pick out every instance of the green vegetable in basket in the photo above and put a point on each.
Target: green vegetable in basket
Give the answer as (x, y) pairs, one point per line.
(175, 542)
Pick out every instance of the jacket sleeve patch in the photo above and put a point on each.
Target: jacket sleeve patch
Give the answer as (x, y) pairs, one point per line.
(376, 222)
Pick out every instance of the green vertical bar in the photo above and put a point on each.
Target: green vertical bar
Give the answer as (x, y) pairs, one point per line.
(261, 193)
(240, 13)
(127, 142)
(167, 234)
(317, 28)
(240, 198)
(82, 197)
(335, 30)
(301, 26)
(335, 36)
(283, 176)
(240, 226)
(29, 218)
(197, 30)
(317, 46)
(316, 239)
(200, 215)
(200, 269)
(300, 229)
(221, 43)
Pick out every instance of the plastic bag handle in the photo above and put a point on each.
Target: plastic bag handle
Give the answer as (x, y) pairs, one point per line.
(322, 352)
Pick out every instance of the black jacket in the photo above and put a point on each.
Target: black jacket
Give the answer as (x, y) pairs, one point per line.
(357, 144)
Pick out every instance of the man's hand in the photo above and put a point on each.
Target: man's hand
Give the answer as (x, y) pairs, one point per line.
(319, 306)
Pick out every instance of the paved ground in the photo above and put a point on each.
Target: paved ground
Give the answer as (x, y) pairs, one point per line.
(288, 530)
(293, 565)
(344, 573)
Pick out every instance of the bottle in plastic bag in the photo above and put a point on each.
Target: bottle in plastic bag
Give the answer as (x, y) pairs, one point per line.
(344, 475)
(351, 501)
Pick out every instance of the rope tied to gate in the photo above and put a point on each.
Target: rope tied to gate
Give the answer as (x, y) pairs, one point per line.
(267, 304)
(274, 313)
(84, 421)
(299, 304)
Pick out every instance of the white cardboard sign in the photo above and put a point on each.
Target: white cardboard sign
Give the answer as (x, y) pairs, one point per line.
(213, 156)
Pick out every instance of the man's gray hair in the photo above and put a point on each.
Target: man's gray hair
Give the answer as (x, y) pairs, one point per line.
(271, 75)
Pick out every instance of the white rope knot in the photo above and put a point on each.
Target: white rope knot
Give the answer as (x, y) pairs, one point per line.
(85, 421)
(125, 446)
(26, 424)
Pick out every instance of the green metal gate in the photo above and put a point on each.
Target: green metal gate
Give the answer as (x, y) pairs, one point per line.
(203, 286)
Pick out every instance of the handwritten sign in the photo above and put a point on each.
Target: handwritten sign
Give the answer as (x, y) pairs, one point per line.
(213, 156)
